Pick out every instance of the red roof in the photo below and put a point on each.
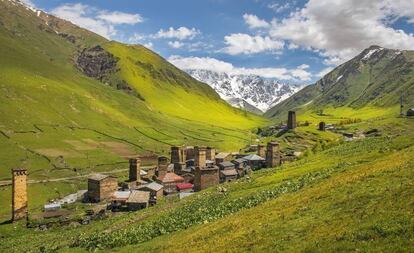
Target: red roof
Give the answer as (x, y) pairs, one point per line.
(184, 186)
(170, 177)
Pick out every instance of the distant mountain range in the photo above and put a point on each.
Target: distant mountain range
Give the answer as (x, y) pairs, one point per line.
(376, 77)
(249, 92)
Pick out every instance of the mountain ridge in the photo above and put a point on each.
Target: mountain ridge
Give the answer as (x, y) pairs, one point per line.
(376, 77)
(252, 90)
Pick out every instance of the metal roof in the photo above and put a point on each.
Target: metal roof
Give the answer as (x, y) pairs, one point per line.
(254, 157)
(152, 186)
(227, 164)
(121, 194)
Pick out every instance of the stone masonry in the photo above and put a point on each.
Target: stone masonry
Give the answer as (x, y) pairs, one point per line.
(19, 194)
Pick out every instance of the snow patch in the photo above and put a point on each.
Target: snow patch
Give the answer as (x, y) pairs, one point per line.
(371, 52)
(339, 78)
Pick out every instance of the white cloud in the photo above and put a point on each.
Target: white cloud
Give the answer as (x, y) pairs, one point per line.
(117, 17)
(181, 33)
(175, 44)
(212, 64)
(101, 22)
(240, 43)
(254, 22)
(339, 30)
(278, 7)
(149, 45)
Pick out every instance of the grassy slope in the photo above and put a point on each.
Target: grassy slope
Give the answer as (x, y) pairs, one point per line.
(58, 123)
(351, 196)
(376, 83)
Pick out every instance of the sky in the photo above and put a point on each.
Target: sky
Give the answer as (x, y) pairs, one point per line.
(296, 41)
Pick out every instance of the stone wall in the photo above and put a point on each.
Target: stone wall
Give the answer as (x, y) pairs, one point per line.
(273, 155)
(206, 177)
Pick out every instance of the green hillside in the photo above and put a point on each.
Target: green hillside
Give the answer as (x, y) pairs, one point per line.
(376, 78)
(59, 123)
(341, 197)
(52, 111)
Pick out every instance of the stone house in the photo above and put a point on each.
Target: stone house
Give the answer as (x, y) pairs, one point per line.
(184, 187)
(223, 157)
(169, 181)
(156, 190)
(255, 162)
(228, 175)
(101, 187)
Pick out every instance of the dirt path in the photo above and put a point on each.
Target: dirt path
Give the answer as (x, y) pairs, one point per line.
(9, 182)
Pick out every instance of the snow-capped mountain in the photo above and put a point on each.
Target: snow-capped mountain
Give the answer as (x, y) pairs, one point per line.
(249, 92)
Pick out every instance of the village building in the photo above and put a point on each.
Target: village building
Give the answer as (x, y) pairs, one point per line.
(156, 191)
(228, 175)
(291, 120)
(189, 152)
(200, 157)
(252, 148)
(118, 200)
(184, 187)
(410, 112)
(206, 177)
(178, 158)
(211, 154)
(188, 177)
(322, 126)
(130, 200)
(223, 157)
(138, 200)
(255, 162)
(261, 150)
(273, 155)
(226, 166)
(19, 194)
(101, 187)
(169, 181)
(162, 167)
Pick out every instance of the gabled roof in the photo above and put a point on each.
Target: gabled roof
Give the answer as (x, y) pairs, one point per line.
(253, 157)
(152, 186)
(227, 164)
(138, 197)
(170, 177)
(231, 172)
(222, 155)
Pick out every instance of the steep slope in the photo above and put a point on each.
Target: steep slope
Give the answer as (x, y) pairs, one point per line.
(375, 78)
(60, 119)
(246, 91)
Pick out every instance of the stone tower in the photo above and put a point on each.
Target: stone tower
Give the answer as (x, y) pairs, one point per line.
(178, 157)
(162, 166)
(206, 177)
(273, 155)
(200, 157)
(19, 194)
(291, 120)
(322, 126)
(134, 169)
(211, 154)
(261, 151)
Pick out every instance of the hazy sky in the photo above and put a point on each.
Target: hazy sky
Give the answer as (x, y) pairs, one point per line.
(296, 41)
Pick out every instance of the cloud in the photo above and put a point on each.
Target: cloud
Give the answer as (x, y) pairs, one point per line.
(117, 17)
(254, 22)
(339, 30)
(240, 43)
(175, 44)
(102, 22)
(212, 64)
(278, 7)
(181, 33)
